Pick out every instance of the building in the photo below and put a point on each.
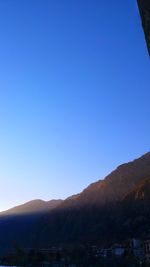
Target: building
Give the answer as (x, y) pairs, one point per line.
(106, 253)
(144, 7)
(118, 250)
(137, 248)
(147, 249)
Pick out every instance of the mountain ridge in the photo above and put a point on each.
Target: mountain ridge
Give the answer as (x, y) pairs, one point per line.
(104, 211)
(32, 206)
(96, 207)
(98, 184)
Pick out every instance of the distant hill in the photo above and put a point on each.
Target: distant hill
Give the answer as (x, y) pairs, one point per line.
(112, 209)
(18, 226)
(33, 206)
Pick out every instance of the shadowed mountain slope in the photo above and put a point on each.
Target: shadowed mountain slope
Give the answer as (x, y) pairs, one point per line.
(19, 224)
(94, 213)
(110, 209)
(132, 215)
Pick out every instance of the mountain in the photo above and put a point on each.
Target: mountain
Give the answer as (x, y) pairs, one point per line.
(97, 213)
(32, 207)
(134, 213)
(111, 209)
(117, 184)
(18, 225)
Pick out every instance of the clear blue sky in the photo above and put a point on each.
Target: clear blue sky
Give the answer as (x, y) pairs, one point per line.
(74, 94)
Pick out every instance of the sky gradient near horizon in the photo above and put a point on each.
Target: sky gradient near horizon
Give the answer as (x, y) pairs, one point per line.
(74, 94)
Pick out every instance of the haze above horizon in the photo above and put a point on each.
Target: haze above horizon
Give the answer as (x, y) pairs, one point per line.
(74, 95)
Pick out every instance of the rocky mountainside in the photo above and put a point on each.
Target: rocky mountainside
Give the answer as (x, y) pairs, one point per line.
(134, 212)
(115, 208)
(98, 212)
(115, 186)
(118, 183)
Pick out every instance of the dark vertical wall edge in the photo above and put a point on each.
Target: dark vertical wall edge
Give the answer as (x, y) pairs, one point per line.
(144, 8)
